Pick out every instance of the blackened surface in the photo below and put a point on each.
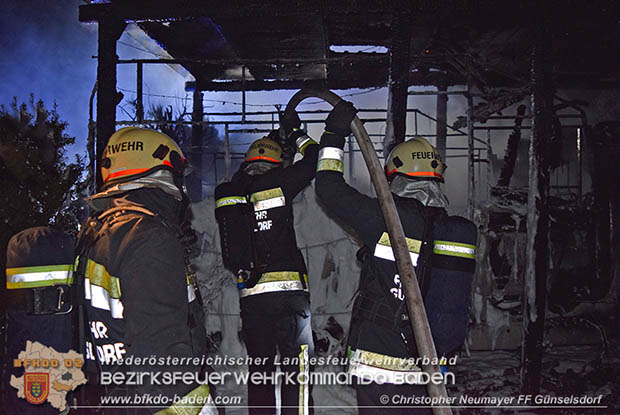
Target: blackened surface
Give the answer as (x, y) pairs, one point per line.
(537, 217)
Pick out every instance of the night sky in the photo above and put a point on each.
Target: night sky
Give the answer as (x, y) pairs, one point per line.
(47, 52)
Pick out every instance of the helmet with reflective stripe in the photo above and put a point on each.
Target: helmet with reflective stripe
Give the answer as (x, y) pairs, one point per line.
(134, 152)
(415, 158)
(264, 149)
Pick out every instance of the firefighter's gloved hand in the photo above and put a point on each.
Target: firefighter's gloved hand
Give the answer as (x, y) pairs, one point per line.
(339, 119)
(291, 125)
(289, 121)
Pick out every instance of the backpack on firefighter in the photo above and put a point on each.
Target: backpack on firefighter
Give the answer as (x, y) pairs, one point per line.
(233, 214)
(38, 303)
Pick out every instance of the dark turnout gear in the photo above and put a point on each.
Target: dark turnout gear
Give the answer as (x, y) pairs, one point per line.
(276, 321)
(140, 303)
(39, 276)
(275, 258)
(255, 216)
(442, 249)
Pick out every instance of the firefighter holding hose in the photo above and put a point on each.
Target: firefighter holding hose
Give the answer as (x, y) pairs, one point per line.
(255, 217)
(381, 346)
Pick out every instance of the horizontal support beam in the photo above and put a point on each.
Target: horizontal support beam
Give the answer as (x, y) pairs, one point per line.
(165, 10)
(341, 58)
(282, 84)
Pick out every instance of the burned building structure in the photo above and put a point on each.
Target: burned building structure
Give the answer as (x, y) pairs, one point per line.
(535, 140)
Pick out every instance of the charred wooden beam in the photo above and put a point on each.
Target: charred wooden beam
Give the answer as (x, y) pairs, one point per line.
(139, 94)
(109, 32)
(442, 120)
(471, 172)
(398, 82)
(194, 180)
(603, 181)
(510, 159)
(537, 251)
(140, 10)
(281, 84)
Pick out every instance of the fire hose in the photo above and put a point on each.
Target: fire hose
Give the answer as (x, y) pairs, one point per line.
(417, 313)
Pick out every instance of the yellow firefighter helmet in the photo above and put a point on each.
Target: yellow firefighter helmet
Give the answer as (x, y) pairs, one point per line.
(264, 149)
(134, 152)
(417, 158)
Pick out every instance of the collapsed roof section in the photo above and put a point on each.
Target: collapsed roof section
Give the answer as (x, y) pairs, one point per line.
(280, 44)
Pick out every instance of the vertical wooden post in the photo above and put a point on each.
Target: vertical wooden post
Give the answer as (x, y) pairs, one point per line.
(442, 119)
(398, 81)
(109, 32)
(243, 94)
(194, 181)
(537, 266)
(227, 155)
(139, 104)
(602, 184)
(471, 183)
(351, 161)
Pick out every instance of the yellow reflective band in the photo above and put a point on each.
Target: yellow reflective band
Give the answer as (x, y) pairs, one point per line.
(100, 298)
(191, 294)
(268, 199)
(413, 245)
(383, 249)
(191, 290)
(333, 153)
(229, 201)
(277, 281)
(42, 268)
(303, 385)
(266, 194)
(40, 276)
(455, 249)
(98, 275)
(281, 276)
(303, 142)
(378, 367)
(196, 402)
(330, 165)
(102, 289)
(274, 286)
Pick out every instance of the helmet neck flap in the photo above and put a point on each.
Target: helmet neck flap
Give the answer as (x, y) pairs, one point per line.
(426, 191)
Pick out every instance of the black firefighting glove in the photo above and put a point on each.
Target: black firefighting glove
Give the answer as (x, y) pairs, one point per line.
(339, 119)
(290, 124)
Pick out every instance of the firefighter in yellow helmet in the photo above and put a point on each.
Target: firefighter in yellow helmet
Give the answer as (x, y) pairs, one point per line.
(255, 216)
(139, 301)
(442, 247)
(140, 158)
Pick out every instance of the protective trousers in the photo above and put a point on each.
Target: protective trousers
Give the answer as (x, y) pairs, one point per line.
(388, 398)
(272, 323)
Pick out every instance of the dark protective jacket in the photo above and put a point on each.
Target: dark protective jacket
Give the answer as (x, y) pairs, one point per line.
(139, 301)
(380, 321)
(269, 198)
